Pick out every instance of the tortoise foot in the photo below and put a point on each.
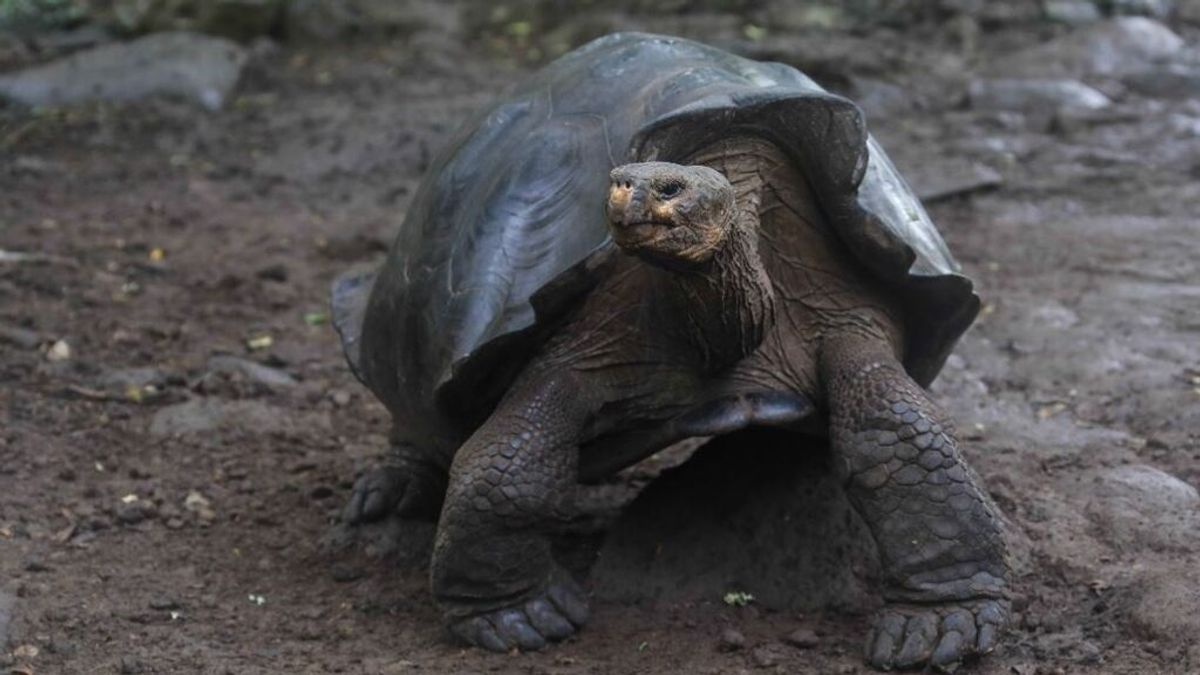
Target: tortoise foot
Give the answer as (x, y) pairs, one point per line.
(553, 615)
(939, 635)
(387, 488)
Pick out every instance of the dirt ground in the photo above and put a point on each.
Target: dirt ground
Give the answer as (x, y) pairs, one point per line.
(167, 507)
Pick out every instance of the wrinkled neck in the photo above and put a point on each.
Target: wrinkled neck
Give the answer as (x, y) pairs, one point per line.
(728, 302)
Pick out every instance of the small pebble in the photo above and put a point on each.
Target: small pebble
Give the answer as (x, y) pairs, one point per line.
(804, 638)
(763, 657)
(162, 603)
(59, 351)
(346, 573)
(731, 640)
(36, 565)
(130, 514)
(277, 272)
(19, 337)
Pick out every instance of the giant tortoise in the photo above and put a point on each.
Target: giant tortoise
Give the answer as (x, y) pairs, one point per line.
(648, 240)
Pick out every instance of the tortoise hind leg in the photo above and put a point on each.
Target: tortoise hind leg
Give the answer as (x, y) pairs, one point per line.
(406, 481)
(515, 478)
(939, 535)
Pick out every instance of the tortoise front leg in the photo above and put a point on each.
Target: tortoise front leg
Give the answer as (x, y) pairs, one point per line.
(939, 535)
(492, 573)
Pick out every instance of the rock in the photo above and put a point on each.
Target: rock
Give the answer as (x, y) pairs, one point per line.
(943, 178)
(164, 603)
(334, 20)
(194, 67)
(731, 640)
(200, 505)
(251, 370)
(1159, 9)
(1072, 12)
(277, 272)
(1034, 95)
(343, 573)
(1112, 48)
(135, 512)
(124, 379)
(8, 604)
(764, 657)
(60, 350)
(1139, 506)
(1166, 605)
(779, 528)
(1173, 81)
(19, 337)
(879, 99)
(36, 565)
(211, 414)
(802, 638)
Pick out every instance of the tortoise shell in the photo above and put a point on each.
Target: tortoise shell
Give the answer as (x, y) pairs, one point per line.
(508, 228)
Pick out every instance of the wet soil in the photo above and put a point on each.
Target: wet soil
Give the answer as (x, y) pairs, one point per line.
(162, 511)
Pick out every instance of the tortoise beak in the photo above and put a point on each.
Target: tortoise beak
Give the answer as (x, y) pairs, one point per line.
(626, 203)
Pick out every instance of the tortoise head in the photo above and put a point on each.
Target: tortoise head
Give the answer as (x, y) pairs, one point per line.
(671, 215)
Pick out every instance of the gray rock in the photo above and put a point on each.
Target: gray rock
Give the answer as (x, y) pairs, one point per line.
(1166, 605)
(8, 604)
(764, 657)
(19, 337)
(194, 67)
(802, 638)
(1174, 81)
(1072, 12)
(255, 372)
(779, 528)
(732, 640)
(944, 178)
(133, 378)
(1159, 9)
(205, 415)
(333, 20)
(1110, 48)
(1034, 95)
(879, 99)
(1140, 507)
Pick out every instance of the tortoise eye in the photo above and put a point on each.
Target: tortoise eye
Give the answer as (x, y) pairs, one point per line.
(670, 190)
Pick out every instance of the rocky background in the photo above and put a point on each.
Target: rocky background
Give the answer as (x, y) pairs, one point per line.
(180, 180)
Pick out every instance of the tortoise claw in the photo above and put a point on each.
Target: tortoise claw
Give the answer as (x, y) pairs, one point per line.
(376, 494)
(554, 615)
(938, 635)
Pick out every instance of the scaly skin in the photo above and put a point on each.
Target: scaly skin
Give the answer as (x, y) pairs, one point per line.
(493, 574)
(939, 536)
(652, 341)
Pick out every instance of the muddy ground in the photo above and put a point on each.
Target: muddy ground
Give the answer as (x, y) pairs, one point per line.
(168, 507)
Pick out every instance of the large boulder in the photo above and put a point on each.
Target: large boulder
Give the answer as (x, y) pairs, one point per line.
(1111, 48)
(1139, 507)
(194, 67)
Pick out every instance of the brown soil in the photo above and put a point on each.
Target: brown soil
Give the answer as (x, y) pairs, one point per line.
(137, 536)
